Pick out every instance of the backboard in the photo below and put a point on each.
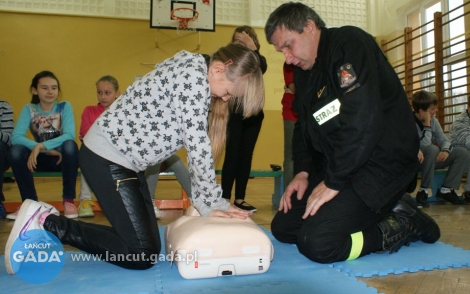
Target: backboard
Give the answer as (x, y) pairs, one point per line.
(200, 13)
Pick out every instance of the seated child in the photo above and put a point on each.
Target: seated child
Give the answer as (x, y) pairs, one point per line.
(6, 128)
(459, 134)
(53, 149)
(436, 152)
(107, 90)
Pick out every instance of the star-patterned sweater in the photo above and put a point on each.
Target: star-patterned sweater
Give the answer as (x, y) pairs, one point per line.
(165, 110)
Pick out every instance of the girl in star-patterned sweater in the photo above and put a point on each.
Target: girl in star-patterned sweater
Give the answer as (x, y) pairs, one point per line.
(183, 102)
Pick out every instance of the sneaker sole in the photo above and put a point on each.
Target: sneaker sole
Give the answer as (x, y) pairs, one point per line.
(245, 207)
(447, 201)
(70, 216)
(432, 226)
(250, 210)
(423, 205)
(19, 223)
(87, 214)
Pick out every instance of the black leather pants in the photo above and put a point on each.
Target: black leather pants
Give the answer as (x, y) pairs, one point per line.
(133, 240)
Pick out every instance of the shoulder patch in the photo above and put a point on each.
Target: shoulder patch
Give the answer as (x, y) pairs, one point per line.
(346, 75)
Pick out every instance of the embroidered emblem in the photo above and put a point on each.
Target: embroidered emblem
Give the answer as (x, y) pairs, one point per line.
(346, 75)
(327, 112)
(320, 92)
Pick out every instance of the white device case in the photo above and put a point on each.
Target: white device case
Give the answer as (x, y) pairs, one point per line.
(209, 247)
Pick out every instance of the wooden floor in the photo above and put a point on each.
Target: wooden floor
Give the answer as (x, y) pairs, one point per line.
(454, 222)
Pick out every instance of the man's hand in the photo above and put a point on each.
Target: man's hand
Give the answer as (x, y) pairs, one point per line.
(299, 184)
(320, 195)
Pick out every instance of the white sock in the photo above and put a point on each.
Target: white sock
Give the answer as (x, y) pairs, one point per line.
(423, 189)
(445, 190)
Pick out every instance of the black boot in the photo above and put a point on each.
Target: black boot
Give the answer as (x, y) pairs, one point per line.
(407, 223)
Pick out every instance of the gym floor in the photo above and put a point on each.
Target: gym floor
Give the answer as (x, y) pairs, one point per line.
(454, 222)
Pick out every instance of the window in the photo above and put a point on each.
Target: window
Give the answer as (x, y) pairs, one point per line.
(454, 64)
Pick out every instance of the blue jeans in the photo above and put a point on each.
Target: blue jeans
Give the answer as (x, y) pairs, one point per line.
(4, 165)
(19, 155)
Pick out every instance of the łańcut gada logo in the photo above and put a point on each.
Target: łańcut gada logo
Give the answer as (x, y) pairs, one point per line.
(37, 256)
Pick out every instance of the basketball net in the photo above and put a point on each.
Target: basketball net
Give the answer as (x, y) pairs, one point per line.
(185, 15)
(183, 28)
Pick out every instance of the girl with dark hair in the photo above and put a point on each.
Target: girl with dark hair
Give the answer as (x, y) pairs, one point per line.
(242, 133)
(52, 125)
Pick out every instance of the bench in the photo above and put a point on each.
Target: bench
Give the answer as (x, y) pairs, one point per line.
(12, 206)
(439, 176)
(40, 174)
(184, 202)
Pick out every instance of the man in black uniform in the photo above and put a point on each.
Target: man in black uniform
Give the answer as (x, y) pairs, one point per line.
(355, 144)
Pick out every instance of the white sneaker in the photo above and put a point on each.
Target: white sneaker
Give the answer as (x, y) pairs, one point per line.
(158, 213)
(27, 219)
(13, 215)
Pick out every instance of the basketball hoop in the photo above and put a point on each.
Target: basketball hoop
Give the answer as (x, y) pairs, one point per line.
(186, 15)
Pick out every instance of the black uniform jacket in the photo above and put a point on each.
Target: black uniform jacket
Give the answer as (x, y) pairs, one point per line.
(355, 123)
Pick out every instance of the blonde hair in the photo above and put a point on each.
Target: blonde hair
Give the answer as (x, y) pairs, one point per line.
(110, 79)
(243, 70)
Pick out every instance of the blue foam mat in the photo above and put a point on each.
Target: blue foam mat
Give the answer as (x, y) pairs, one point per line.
(418, 256)
(290, 272)
(84, 277)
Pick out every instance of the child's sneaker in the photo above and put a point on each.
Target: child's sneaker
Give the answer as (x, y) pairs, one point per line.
(466, 197)
(13, 215)
(27, 219)
(158, 213)
(451, 197)
(85, 208)
(70, 211)
(422, 199)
